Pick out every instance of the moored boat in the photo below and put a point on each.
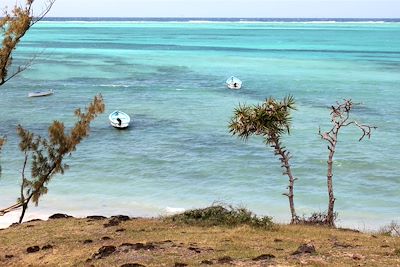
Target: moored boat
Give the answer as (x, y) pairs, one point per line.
(234, 83)
(41, 93)
(119, 119)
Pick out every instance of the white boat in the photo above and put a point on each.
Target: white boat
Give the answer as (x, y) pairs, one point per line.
(119, 119)
(233, 83)
(41, 93)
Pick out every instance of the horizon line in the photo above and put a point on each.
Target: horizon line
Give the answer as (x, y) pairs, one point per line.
(197, 17)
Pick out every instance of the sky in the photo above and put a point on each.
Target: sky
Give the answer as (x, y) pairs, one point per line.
(221, 8)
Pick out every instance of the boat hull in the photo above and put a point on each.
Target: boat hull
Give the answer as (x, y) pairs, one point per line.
(40, 93)
(233, 83)
(119, 119)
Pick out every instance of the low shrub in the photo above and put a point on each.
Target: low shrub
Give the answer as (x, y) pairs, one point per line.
(218, 215)
(316, 218)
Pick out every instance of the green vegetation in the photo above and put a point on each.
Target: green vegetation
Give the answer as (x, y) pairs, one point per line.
(46, 155)
(14, 26)
(221, 216)
(271, 119)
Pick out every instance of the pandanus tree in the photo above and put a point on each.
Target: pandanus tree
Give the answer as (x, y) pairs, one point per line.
(340, 117)
(46, 155)
(270, 119)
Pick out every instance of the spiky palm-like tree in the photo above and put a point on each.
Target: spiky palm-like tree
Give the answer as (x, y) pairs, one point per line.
(270, 119)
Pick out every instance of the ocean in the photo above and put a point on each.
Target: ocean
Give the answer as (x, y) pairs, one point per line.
(168, 74)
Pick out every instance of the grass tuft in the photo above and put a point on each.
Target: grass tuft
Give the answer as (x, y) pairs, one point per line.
(219, 215)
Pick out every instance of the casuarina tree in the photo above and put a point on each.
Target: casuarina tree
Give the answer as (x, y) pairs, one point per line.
(270, 119)
(13, 26)
(46, 155)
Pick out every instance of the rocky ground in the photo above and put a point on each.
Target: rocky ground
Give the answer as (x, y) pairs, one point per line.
(123, 241)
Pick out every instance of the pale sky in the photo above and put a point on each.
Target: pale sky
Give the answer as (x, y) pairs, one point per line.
(222, 8)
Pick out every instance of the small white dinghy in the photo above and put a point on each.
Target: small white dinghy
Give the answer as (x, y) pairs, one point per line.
(233, 83)
(41, 93)
(119, 119)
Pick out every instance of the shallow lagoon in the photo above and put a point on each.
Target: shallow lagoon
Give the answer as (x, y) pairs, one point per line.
(178, 153)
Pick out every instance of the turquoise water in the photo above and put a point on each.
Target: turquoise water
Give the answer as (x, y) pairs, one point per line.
(178, 153)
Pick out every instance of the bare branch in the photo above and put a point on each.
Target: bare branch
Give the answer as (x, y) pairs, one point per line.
(366, 130)
(340, 116)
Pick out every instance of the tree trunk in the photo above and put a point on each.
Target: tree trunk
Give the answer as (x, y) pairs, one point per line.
(285, 164)
(330, 219)
(24, 208)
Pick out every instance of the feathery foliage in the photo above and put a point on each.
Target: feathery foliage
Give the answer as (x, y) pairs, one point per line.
(46, 155)
(13, 26)
(271, 120)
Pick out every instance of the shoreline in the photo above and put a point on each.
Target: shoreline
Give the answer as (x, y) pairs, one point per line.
(7, 220)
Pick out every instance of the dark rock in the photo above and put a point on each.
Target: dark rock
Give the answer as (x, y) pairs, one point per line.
(132, 265)
(197, 250)
(106, 238)
(29, 226)
(278, 240)
(34, 220)
(148, 246)
(305, 248)
(9, 256)
(225, 260)
(357, 257)
(385, 246)
(48, 246)
(33, 249)
(103, 252)
(180, 264)
(112, 222)
(264, 257)
(59, 216)
(121, 218)
(87, 241)
(348, 230)
(208, 262)
(96, 217)
(120, 230)
(14, 224)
